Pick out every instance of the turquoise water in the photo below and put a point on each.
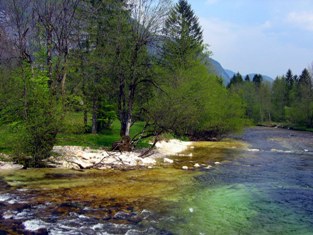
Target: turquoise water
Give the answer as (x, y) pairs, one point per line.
(267, 191)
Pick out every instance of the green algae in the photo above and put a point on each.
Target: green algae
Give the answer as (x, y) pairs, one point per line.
(143, 188)
(218, 210)
(207, 153)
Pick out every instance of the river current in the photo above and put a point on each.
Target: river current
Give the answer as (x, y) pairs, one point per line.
(260, 182)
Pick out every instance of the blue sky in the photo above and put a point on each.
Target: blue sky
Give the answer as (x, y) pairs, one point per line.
(258, 36)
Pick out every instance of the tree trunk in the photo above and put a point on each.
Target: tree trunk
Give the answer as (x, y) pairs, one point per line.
(25, 92)
(128, 125)
(94, 116)
(85, 119)
(49, 59)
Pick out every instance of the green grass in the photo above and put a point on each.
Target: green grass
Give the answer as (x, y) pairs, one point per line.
(72, 133)
(7, 139)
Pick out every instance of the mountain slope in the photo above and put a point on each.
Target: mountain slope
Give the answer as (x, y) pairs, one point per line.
(227, 74)
(217, 69)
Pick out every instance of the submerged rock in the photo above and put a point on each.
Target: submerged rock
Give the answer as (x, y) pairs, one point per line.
(35, 224)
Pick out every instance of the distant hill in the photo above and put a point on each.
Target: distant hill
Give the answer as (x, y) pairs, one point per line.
(227, 74)
(230, 73)
(217, 68)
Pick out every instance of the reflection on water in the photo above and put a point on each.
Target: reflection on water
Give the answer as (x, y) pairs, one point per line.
(251, 192)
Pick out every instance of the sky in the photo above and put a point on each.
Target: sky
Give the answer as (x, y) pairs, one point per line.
(258, 36)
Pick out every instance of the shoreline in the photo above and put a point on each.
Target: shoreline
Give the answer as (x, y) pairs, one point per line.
(77, 157)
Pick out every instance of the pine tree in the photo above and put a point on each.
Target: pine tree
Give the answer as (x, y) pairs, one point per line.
(247, 78)
(236, 79)
(184, 39)
(257, 80)
(305, 79)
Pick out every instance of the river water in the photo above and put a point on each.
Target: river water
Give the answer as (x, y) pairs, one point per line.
(261, 182)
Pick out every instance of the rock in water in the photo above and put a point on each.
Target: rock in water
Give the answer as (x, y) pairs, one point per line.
(35, 224)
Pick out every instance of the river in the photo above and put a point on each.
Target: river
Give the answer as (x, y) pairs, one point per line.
(260, 182)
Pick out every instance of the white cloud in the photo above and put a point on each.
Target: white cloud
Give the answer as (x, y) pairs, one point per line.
(302, 19)
(251, 49)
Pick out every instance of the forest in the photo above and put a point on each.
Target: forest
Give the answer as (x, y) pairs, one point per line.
(77, 68)
(287, 102)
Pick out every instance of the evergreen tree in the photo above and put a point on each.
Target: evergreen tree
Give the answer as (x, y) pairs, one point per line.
(236, 79)
(184, 39)
(289, 79)
(257, 80)
(247, 78)
(305, 79)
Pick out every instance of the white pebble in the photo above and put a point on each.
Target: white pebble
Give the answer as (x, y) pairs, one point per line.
(197, 165)
(185, 167)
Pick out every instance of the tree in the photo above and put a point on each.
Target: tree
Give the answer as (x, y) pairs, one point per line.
(235, 80)
(247, 78)
(183, 37)
(301, 109)
(279, 101)
(131, 71)
(56, 19)
(257, 80)
(33, 26)
(189, 100)
(19, 21)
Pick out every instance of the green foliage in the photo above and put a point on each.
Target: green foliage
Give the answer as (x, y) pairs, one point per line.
(236, 79)
(193, 102)
(279, 99)
(256, 96)
(38, 131)
(106, 116)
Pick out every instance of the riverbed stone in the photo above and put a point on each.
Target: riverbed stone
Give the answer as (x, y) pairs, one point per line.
(167, 160)
(10, 166)
(197, 165)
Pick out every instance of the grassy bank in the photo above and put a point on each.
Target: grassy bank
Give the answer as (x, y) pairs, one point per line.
(72, 133)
